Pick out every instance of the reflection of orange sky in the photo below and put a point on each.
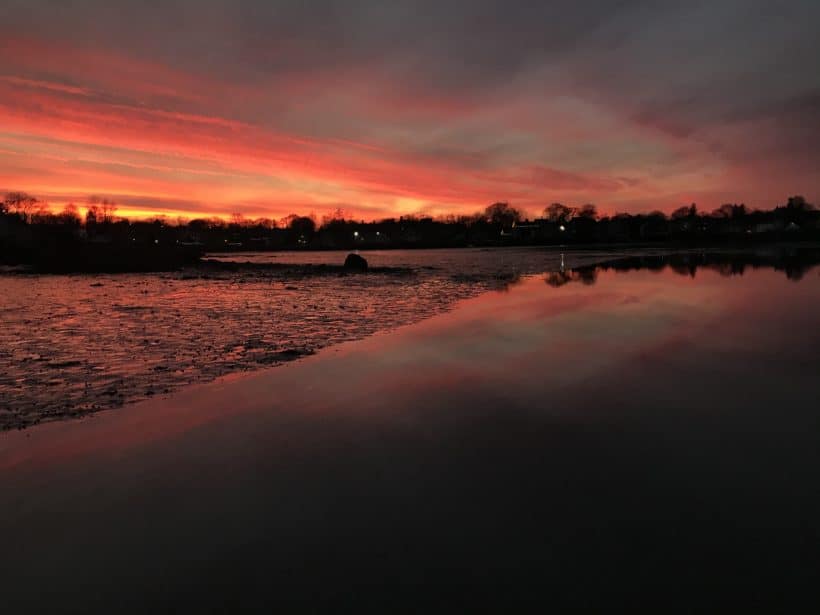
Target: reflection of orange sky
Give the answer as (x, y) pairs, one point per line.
(81, 122)
(577, 333)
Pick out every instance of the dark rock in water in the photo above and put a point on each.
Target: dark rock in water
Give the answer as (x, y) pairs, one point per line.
(354, 262)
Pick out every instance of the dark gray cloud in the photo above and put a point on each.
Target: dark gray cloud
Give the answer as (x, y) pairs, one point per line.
(714, 56)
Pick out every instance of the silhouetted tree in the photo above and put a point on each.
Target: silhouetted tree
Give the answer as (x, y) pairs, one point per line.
(502, 214)
(724, 211)
(337, 215)
(199, 225)
(22, 204)
(558, 213)
(730, 210)
(104, 209)
(285, 222)
(92, 216)
(109, 208)
(798, 204)
(265, 223)
(302, 225)
(588, 212)
(689, 211)
(70, 215)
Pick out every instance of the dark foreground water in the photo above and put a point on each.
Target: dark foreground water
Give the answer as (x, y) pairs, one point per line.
(594, 439)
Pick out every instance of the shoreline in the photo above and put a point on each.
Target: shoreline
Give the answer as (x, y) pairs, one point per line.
(209, 259)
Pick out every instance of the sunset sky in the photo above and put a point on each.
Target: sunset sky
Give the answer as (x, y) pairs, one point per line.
(384, 108)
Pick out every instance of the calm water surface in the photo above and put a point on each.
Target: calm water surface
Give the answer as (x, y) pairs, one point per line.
(589, 439)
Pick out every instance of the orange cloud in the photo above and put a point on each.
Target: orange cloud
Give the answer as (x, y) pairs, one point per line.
(75, 121)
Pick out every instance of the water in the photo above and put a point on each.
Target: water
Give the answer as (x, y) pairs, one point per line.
(638, 436)
(70, 345)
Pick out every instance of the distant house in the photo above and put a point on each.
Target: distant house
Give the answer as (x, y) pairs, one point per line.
(618, 229)
(654, 229)
(765, 227)
(259, 243)
(550, 230)
(103, 237)
(738, 227)
(523, 231)
(11, 227)
(377, 237)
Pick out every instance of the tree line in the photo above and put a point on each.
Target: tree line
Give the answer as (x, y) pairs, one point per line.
(29, 225)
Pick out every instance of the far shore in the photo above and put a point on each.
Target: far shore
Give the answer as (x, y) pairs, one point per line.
(150, 259)
(63, 242)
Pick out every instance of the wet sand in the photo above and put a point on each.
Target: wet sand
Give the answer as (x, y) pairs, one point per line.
(646, 441)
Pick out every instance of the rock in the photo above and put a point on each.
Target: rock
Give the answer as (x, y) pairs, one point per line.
(354, 262)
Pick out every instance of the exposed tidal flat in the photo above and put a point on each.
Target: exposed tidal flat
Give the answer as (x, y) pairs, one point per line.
(71, 345)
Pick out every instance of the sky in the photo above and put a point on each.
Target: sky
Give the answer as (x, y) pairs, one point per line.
(266, 108)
